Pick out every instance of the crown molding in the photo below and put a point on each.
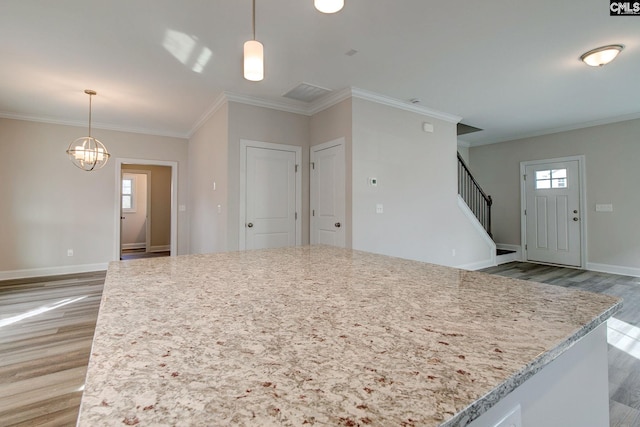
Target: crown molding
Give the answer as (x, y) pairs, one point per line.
(213, 108)
(403, 105)
(568, 128)
(94, 125)
(296, 107)
(329, 100)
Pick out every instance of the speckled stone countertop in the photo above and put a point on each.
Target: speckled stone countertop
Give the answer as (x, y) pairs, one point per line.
(319, 335)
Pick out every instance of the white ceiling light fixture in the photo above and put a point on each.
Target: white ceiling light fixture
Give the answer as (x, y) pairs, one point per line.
(86, 152)
(254, 55)
(329, 6)
(602, 55)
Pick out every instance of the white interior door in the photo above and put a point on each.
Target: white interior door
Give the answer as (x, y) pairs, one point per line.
(553, 213)
(270, 216)
(328, 194)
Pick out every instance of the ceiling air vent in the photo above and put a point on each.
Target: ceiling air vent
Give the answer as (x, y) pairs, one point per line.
(306, 92)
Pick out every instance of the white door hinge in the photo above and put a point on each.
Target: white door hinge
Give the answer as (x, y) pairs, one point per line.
(296, 216)
(296, 168)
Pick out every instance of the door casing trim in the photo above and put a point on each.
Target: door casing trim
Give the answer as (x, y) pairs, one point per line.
(583, 204)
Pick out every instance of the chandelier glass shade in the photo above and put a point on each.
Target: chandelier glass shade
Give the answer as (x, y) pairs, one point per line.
(86, 152)
(329, 6)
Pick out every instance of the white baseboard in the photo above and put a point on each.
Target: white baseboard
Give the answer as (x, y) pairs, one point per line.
(52, 271)
(161, 248)
(478, 265)
(134, 245)
(614, 269)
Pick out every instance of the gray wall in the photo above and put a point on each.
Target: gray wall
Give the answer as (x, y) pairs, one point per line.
(328, 125)
(264, 125)
(48, 205)
(417, 186)
(612, 153)
(208, 163)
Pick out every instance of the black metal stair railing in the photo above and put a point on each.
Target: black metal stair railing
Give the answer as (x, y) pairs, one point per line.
(474, 196)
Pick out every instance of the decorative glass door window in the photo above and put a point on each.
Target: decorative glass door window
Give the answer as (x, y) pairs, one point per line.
(551, 178)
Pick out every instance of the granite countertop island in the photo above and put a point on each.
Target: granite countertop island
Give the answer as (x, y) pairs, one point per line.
(319, 335)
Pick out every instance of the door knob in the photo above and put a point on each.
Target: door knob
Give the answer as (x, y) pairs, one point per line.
(250, 225)
(337, 224)
(575, 218)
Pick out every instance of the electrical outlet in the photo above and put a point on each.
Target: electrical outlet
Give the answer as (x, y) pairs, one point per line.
(69, 252)
(379, 208)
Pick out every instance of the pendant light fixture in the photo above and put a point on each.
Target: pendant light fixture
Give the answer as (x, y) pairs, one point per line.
(602, 55)
(86, 152)
(253, 55)
(329, 6)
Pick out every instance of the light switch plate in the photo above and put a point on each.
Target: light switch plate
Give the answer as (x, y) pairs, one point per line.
(604, 208)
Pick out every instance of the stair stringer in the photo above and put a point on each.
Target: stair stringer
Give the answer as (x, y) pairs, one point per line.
(489, 262)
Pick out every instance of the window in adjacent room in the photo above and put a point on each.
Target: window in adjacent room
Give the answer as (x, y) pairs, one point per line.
(128, 194)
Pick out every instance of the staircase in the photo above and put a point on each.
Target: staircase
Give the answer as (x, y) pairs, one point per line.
(480, 204)
(474, 196)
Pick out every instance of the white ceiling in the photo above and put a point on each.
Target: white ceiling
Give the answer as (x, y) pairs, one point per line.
(509, 67)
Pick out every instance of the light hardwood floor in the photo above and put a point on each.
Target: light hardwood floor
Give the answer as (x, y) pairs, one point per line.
(624, 365)
(43, 358)
(46, 330)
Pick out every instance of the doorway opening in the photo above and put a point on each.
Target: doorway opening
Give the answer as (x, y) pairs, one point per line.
(146, 209)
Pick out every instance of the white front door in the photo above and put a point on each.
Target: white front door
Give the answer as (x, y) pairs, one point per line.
(328, 194)
(270, 217)
(553, 212)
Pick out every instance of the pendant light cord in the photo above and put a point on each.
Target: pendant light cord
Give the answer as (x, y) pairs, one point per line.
(90, 96)
(254, 19)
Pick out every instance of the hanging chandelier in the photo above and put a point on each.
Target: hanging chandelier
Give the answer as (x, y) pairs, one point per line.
(86, 152)
(253, 55)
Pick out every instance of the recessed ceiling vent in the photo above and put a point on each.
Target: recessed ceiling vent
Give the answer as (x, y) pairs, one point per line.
(465, 129)
(306, 92)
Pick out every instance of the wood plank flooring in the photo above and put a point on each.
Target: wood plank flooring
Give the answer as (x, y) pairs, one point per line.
(46, 331)
(623, 329)
(43, 357)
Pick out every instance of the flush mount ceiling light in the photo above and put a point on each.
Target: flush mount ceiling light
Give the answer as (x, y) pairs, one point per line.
(602, 55)
(329, 6)
(86, 152)
(253, 55)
